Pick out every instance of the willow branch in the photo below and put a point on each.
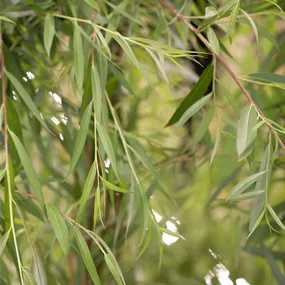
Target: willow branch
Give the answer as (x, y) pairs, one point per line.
(225, 65)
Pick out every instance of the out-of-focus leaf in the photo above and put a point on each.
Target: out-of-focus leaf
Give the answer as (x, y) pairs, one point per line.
(193, 110)
(87, 257)
(5, 19)
(217, 141)
(78, 57)
(159, 64)
(262, 183)
(49, 32)
(113, 187)
(210, 11)
(59, 227)
(3, 241)
(233, 18)
(80, 138)
(244, 184)
(275, 217)
(246, 133)
(1, 116)
(280, 278)
(26, 98)
(28, 169)
(93, 4)
(113, 269)
(195, 94)
(2, 173)
(252, 24)
(202, 129)
(107, 144)
(28, 205)
(213, 40)
(268, 77)
(87, 189)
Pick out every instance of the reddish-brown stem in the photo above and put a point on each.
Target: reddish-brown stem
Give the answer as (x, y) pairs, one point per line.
(225, 65)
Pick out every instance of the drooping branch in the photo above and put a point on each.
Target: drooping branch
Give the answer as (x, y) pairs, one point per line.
(225, 65)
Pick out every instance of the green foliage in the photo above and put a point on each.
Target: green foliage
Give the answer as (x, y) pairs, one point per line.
(136, 135)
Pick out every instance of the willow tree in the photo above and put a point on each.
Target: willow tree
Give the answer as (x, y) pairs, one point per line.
(108, 107)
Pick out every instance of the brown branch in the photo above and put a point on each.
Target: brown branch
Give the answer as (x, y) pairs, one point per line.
(225, 65)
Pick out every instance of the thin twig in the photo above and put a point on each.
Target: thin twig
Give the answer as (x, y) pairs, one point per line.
(225, 65)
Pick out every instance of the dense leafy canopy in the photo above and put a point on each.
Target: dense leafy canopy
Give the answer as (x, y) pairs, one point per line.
(128, 126)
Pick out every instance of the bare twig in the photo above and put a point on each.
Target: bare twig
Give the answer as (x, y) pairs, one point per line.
(225, 65)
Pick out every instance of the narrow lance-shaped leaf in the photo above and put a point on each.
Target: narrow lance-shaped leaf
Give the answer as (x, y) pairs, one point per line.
(86, 256)
(49, 32)
(78, 57)
(107, 144)
(96, 93)
(93, 4)
(246, 133)
(202, 129)
(233, 18)
(243, 185)
(195, 94)
(2, 173)
(275, 217)
(87, 189)
(252, 24)
(29, 170)
(3, 18)
(193, 110)
(246, 196)
(113, 187)
(213, 40)
(217, 141)
(268, 77)
(59, 226)
(3, 241)
(80, 138)
(113, 269)
(262, 183)
(26, 98)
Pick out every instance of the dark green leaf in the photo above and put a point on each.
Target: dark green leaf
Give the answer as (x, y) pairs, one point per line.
(268, 77)
(28, 169)
(195, 94)
(80, 138)
(59, 227)
(49, 32)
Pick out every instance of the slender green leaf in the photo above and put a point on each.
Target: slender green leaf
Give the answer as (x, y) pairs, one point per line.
(202, 129)
(126, 47)
(252, 24)
(113, 187)
(213, 40)
(233, 18)
(2, 173)
(217, 141)
(195, 94)
(87, 189)
(246, 133)
(49, 32)
(26, 98)
(193, 110)
(246, 196)
(59, 227)
(78, 57)
(113, 269)
(5, 19)
(3, 241)
(27, 164)
(80, 138)
(262, 183)
(96, 93)
(87, 257)
(169, 232)
(268, 77)
(275, 217)
(256, 223)
(244, 184)
(107, 144)
(159, 64)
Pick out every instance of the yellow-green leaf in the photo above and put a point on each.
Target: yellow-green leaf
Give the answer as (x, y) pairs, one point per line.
(113, 187)
(49, 32)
